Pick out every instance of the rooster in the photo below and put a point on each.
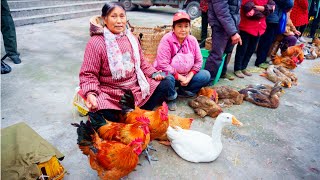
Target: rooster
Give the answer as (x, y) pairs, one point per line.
(159, 120)
(287, 62)
(294, 51)
(112, 160)
(121, 132)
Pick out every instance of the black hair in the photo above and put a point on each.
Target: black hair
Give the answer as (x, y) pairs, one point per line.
(180, 21)
(108, 7)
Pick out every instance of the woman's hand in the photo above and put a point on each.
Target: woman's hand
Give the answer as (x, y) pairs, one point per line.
(91, 101)
(187, 79)
(297, 33)
(250, 13)
(157, 76)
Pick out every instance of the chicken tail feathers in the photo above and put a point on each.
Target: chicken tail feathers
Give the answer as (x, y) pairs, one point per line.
(85, 132)
(96, 120)
(127, 101)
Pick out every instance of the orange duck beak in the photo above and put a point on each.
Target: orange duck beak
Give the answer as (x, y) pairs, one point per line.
(236, 122)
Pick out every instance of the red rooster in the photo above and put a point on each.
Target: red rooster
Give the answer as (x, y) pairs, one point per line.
(159, 120)
(121, 132)
(112, 160)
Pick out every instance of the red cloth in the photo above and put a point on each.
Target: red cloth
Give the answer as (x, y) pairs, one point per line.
(299, 13)
(204, 5)
(95, 76)
(252, 26)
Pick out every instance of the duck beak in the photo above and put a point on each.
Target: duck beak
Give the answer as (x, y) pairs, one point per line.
(236, 122)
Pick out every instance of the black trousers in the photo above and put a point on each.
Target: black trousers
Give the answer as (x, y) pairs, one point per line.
(301, 29)
(8, 30)
(314, 26)
(204, 25)
(159, 95)
(265, 43)
(244, 52)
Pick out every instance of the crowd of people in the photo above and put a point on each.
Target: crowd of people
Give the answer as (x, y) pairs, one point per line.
(114, 62)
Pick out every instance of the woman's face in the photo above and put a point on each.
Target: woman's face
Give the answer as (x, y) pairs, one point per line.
(181, 30)
(116, 20)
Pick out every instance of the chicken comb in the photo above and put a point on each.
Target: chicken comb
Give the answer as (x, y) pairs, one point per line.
(165, 107)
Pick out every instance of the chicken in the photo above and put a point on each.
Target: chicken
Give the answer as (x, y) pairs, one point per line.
(287, 62)
(159, 120)
(274, 75)
(292, 76)
(210, 93)
(112, 160)
(203, 106)
(261, 98)
(294, 51)
(228, 96)
(174, 120)
(316, 42)
(121, 132)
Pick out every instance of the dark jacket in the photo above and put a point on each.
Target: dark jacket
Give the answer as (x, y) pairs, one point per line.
(224, 14)
(280, 6)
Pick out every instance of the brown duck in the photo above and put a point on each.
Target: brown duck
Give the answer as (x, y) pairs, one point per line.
(261, 97)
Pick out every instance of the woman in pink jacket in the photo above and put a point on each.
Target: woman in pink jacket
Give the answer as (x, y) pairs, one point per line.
(113, 61)
(180, 58)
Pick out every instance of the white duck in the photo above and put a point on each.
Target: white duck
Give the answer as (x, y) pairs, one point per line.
(197, 147)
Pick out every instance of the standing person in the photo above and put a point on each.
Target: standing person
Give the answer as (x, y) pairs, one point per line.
(314, 8)
(271, 32)
(252, 26)
(204, 22)
(299, 16)
(179, 56)
(8, 31)
(113, 61)
(224, 18)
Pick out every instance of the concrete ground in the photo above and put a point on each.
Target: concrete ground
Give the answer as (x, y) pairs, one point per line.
(280, 143)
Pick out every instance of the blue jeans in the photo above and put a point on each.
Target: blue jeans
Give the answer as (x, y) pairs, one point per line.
(199, 80)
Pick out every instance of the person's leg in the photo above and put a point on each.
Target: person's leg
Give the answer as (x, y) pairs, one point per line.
(204, 28)
(199, 80)
(219, 43)
(252, 43)
(227, 51)
(9, 33)
(172, 93)
(159, 95)
(265, 43)
(240, 54)
(314, 26)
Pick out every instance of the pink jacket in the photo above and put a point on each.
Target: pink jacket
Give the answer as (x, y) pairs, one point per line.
(169, 46)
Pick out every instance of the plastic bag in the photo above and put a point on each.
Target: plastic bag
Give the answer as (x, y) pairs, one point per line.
(282, 22)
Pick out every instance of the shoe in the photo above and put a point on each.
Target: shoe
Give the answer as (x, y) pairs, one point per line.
(302, 39)
(5, 68)
(239, 74)
(228, 76)
(172, 105)
(263, 65)
(185, 94)
(246, 72)
(15, 59)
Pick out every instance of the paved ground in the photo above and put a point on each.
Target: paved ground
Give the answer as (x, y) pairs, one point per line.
(280, 143)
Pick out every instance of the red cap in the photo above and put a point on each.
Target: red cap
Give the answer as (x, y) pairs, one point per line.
(181, 15)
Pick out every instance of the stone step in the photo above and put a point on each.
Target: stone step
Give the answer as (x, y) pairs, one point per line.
(55, 9)
(20, 4)
(55, 17)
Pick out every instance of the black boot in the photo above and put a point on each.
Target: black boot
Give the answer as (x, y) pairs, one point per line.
(5, 68)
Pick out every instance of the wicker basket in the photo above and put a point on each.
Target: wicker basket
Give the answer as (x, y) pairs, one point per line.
(208, 44)
(149, 39)
(166, 28)
(196, 29)
(79, 102)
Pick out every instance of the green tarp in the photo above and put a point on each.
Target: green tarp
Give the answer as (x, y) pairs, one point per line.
(21, 149)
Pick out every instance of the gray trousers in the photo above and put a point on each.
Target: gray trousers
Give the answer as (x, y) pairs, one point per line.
(8, 30)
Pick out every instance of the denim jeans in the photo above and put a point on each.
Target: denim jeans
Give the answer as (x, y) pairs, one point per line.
(199, 80)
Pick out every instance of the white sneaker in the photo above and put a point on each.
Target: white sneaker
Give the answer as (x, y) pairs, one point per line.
(302, 39)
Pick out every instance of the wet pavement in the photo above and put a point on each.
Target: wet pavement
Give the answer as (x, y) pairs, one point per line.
(280, 143)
